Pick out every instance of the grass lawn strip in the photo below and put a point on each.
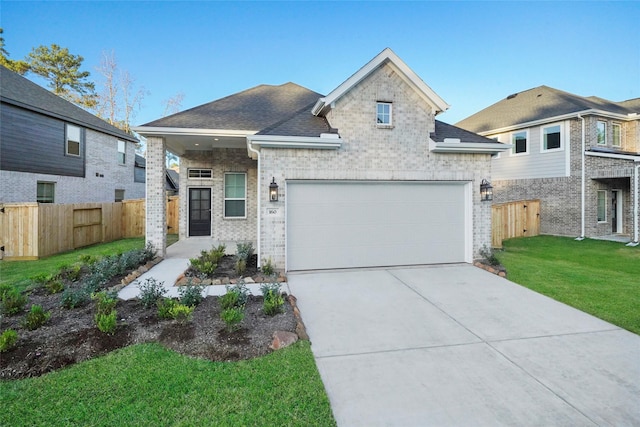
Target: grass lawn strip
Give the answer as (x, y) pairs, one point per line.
(147, 385)
(598, 277)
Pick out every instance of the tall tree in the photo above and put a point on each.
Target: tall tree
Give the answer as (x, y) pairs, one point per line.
(173, 104)
(62, 70)
(19, 66)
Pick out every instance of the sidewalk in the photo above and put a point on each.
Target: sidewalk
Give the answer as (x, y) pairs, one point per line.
(174, 264)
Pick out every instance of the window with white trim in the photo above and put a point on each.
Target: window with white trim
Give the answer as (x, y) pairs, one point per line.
(617, 135)
(73, 139)
(383, 114)
(122, 152)
(200, 173)
(551, 138)
(602, 205)
(119, 195)
(601, 132)
(46, 192)
(520, 141)
(235, 195)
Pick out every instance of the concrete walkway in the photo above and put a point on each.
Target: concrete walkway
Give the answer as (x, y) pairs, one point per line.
(175, 262)
(458, 346)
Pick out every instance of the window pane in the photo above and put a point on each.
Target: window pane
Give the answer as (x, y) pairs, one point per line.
(383, 113)
(234, 208)
(552, 137)
(602, 206)
(73, 148)
(602, 133)
(234, 186)
(520, 142)
(73, 133)
(616, 135)
(45, 192)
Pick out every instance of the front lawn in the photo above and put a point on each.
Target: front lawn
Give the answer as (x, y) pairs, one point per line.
(147, 385)
(599, 277)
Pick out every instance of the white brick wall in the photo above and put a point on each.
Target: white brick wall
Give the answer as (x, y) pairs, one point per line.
(101, 158)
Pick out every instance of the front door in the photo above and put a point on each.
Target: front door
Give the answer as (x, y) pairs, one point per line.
(616, 212)
(199, 212)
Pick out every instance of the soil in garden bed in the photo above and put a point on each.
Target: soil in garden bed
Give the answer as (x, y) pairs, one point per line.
(70, 336)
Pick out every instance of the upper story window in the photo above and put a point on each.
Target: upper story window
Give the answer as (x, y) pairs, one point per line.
(602, 132)
(46, 192)
(235, 195)
(551, 138)
(520, 141)
(72, 140)
(617, 135)
(122, 152)
(384, 114)
(200, 173)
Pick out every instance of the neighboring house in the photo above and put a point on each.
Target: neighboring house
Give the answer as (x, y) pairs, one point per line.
(579, 155)
(52, 151)
(171, 178)
(364, 176)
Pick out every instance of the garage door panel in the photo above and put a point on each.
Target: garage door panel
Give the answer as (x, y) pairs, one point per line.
(363, 224)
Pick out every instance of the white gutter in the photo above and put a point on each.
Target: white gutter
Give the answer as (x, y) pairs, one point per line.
(469, 147)
(636, 191)
(151, 130)
(614, 155)
(583, 200)
(325, 142)
(258, 187)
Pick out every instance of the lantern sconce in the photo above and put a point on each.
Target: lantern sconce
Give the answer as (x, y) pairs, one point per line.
(273, 190)
(486, 191)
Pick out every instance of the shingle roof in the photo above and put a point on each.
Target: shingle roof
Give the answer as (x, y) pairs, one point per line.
(261, 108)
(19, 91)
(538, 104)
(445, 130)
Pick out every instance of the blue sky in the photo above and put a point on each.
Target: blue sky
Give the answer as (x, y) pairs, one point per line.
(471, 53)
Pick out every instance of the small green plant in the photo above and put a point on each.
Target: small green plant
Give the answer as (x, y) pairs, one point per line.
(164, 307)
(182, 313)
(55, 285)
(191, 295)
(273, 301)
(13, 301)
(489, 254)
(107, 323)
(241, 266)
(240, 291)
(244, 251)
(105, 301)
(36, 317)
(202, 266)
(232, 317)
(229, 300)
(88, 259)
(268, 267)
(8, 340)
(151, 291)
(5, 288)
(71, 272)
(74, 298)
(41, 278)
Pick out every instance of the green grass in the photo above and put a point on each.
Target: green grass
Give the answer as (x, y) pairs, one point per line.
(599, 277)
(19, 272)
(148, 385)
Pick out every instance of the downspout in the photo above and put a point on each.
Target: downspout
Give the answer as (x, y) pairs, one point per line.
(253, 150)
(583, 186)
(636, 224)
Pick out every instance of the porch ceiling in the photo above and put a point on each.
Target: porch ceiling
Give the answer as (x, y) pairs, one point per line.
(180, 144)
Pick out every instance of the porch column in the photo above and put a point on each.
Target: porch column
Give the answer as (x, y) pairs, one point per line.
(156, 209)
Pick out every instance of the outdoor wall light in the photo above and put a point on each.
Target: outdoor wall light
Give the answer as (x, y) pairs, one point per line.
(273, 190)
(486, 191)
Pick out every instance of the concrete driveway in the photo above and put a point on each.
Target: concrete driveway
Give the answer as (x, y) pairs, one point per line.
(458, 346)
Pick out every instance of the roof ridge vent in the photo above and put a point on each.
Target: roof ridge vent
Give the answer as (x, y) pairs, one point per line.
(513, 95)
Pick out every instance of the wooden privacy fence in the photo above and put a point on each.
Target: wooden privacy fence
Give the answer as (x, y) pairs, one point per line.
(514, 219)
(34, 230)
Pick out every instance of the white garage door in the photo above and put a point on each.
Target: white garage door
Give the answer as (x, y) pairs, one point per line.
(344, 224)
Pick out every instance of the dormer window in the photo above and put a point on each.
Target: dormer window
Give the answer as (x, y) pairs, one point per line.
(383, 114)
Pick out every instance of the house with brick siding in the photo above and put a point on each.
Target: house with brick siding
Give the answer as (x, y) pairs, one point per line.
(579, 155)
(52, 151)
(363, 176)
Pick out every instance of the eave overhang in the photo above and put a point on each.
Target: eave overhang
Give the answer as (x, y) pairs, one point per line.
(632, 157)
(325, 142)
(167, 131)
(468, 147)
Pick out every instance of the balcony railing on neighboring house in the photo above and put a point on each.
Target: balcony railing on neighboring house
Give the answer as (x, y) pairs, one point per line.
(514, 219)
(34, 230)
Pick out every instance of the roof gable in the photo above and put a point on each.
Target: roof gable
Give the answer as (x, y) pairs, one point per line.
(539, 103)
(23, 93)
(251, 110)
(387, 56)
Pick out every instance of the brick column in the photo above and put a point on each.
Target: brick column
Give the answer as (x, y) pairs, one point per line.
(156, 210)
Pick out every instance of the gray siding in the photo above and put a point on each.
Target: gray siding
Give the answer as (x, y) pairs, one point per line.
(31, 142)
(537, 163)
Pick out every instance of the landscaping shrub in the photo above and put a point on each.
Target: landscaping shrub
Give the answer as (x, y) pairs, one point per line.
(71, 272)
(241, 266)
(232, 317)
(74, 298)
(164, 307)
(229, 300)
(489, 255)
(191, 295)
(8, 340)
(54, 286)
(268, 268)
(13, 301)
(107, 323)
(105, 301)
(151, 291)
(273, 300)
(88, 259)
(4, 288)
(181, 313)
(36, 317)
(204, 267)
(240, 291)
(244, 250)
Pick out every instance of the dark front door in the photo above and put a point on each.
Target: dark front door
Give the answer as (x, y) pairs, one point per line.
(199, 212)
